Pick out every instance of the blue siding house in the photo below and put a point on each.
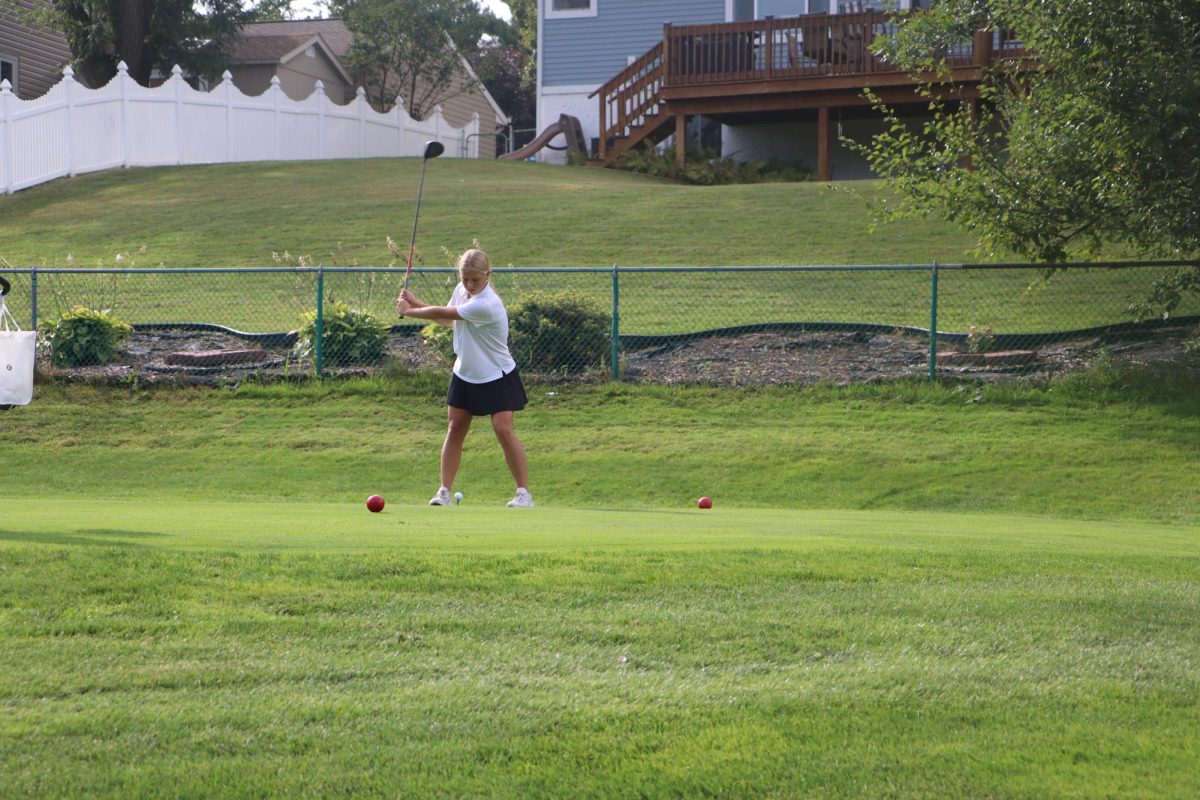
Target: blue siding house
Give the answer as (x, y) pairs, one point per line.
(582, 44)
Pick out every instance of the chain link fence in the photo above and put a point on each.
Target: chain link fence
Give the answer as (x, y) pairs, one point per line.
(716, 325)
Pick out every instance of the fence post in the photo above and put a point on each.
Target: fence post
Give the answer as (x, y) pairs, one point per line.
(33, 298)
(123, 80)
(177, 79)
(319, 92)
(69, 105)
(616, 324)
(6, 169)
(933, 313)
(276, 127)
(361, 101)
(319, 349)
(226, 89)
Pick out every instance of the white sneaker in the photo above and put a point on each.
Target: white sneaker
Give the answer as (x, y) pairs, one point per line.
(442, 498)
(522, 499)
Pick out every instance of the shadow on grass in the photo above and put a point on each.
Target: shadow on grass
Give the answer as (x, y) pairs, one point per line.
(100, 537)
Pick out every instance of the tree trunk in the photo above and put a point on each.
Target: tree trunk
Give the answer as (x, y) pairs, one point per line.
(95, 71)
(133, 24)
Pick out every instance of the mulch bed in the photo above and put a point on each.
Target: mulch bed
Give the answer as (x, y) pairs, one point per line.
(749, 359)
(759, 359)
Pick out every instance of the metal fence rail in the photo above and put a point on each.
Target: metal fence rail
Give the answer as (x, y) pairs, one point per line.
(726, 325)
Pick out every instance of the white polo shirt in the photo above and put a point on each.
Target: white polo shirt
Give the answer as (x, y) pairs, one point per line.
(481, 336)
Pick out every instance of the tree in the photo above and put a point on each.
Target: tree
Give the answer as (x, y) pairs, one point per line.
(411, 48)
(524, 24)
(147, 34)
(502, 69)
(1096, 146)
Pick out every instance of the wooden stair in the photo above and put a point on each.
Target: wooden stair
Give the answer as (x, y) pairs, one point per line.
(631, 107)
(652, 130)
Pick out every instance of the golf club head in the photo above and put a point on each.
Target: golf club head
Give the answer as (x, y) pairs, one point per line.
(5, 287)
(434, 149)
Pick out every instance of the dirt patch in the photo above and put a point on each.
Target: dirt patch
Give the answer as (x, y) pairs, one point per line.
(749, 359)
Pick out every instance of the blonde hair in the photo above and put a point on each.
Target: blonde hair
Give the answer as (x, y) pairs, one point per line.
(474, 260)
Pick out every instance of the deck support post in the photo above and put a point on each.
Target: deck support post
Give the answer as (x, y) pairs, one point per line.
(823, 144)
(680, 140)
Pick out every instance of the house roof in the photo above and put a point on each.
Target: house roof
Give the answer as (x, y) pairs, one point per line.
(332, 31)
(270, 49)
(280, 48)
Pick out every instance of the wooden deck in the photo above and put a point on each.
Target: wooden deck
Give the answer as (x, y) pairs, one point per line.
(769, 70)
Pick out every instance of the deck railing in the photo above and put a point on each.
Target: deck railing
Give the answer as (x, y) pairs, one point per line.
(630, 97)
(815, 45)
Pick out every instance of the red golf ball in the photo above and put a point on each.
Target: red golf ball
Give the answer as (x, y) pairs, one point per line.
(704, 502)
(375, 503)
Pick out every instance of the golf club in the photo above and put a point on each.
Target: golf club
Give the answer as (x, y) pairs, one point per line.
(433, 149)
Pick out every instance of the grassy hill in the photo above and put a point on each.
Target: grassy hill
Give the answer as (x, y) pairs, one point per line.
(524, 214)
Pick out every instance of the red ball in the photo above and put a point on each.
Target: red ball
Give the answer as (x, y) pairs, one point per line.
(374, 503)
(704, 502)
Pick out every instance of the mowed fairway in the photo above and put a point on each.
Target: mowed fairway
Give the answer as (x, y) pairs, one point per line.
(211, 648)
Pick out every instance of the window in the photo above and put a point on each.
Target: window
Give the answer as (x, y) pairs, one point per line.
(570, 8)
(8, 71)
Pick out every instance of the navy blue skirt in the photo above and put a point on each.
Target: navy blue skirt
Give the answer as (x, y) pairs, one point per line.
(506, 393)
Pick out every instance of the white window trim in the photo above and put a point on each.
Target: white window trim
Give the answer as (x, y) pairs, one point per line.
(550, 13)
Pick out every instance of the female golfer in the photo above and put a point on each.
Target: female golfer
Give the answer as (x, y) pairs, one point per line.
(485, 381)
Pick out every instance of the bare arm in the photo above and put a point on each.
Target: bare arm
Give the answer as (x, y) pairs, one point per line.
(409, 306)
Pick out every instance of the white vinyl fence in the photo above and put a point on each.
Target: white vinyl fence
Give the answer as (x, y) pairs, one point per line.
(72, 129)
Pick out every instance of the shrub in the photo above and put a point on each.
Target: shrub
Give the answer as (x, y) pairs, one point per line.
(980, 339)
(705, 168)
(563, 332)
(351, 336)
(84, 337)
(441, 339)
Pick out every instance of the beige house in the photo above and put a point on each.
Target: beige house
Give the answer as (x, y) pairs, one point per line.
(301, 52)
(298, 60)
(31, 58)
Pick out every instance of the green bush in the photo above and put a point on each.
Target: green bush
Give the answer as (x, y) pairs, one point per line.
(441, 339)
(706, 168)
(351, 336)
(84, 337)
(561, 332)
(980, 339)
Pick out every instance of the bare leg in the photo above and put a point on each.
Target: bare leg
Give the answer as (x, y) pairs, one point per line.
(514, 451)
(452, 447)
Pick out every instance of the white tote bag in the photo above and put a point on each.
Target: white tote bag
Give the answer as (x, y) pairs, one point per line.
(17, 352)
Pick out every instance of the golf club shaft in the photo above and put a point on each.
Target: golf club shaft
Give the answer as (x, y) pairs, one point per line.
(412, 243)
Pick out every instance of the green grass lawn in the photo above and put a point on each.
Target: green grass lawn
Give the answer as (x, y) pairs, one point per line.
(527, 217)
(903, 591)
(1112, 446)
(174, 648)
